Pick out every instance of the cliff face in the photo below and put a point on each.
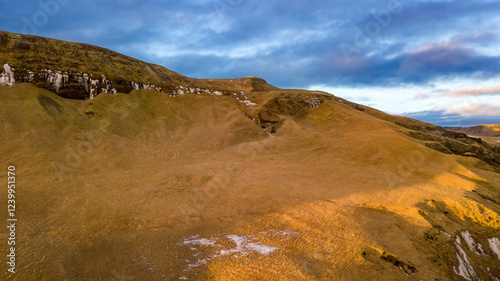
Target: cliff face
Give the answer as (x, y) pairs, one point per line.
(71, 85)
(79, 71)
(451, 142)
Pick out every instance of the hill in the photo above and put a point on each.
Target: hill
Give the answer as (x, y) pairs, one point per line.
(231, 179)
(492, 131)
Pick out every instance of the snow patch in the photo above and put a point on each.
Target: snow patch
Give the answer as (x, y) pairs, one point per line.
(203, 248)
(263, 249)
(202, 241)
(245, 248)
(474, 247)
(464, 269)
(495, 246)
(446, 233)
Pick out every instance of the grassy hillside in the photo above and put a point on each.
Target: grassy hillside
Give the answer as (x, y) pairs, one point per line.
(26, 54)
(492, 131)
(143, 186)
(33, 52)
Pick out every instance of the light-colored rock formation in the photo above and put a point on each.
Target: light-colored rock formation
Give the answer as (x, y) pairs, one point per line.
(57, 80)
(7, 76)
(495, 246)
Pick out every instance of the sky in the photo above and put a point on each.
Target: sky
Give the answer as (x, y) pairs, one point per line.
(432, 60)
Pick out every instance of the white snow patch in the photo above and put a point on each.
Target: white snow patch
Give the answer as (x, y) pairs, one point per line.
(199, 263)
(271, 135)
(495, 246)
(201, 242)
(263, 249)
(474, 247)
(446, 233)
(464, 269)
(245, 248)
(287, 232)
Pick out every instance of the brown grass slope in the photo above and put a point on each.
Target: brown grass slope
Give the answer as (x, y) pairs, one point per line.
(491, 130)
(32, 53)
(108, 189)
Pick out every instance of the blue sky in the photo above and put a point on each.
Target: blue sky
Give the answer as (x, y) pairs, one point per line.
(434, 60)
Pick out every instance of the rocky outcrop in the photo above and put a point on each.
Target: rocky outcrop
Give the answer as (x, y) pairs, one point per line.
(7, 76)
(295, 106)
(452, 142)
(82, 86)
(77, 85)
(240, 97)
(353, 105)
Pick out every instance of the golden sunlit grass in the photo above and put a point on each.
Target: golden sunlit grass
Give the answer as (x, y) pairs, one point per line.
(110, 188)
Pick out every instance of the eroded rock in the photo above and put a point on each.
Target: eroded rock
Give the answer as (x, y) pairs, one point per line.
(7, 76)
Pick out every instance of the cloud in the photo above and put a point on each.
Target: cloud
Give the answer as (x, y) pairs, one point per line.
(473, 92)
(481, 37)
(476, 109)
(444, 119)
(421, 96)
